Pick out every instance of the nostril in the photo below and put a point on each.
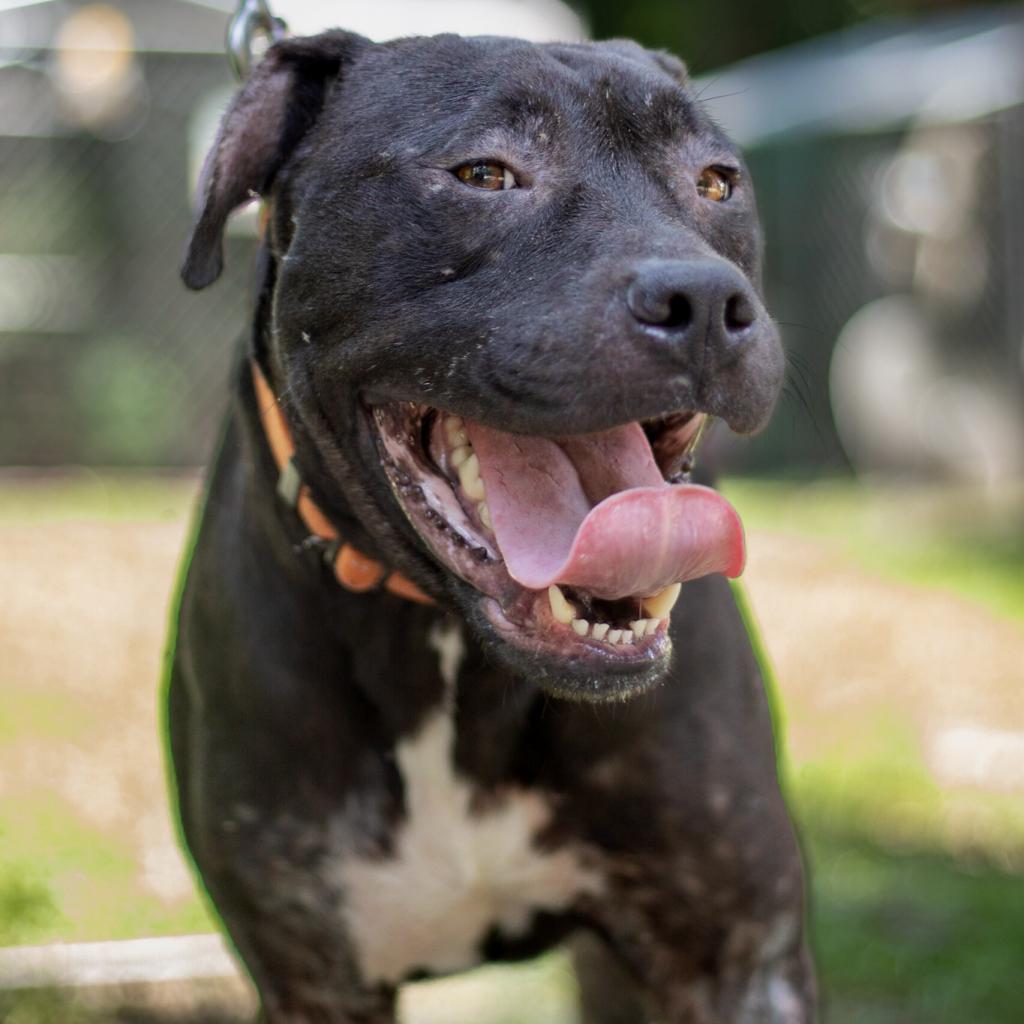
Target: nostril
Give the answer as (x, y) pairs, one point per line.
(739, 314)
(678, 312)
(654, 304)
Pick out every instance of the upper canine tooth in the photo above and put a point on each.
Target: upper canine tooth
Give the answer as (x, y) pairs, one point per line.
(662, 603)
(469, 478)
(562, 609)
(455, 431)
(580, 626)
(460, 454)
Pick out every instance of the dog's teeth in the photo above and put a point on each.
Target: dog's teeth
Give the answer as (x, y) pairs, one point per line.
(614, 636)
(455, 431)
(562, 610)
(459, 455)
(627, 636)
(639, 628)
(661, 604)
(485, 515)
(580, 626)
(469, 478)
(600, 630)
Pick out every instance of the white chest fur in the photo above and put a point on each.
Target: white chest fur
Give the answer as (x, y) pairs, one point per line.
(455, 873)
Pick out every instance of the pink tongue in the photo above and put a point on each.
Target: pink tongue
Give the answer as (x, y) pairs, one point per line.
(594, 512)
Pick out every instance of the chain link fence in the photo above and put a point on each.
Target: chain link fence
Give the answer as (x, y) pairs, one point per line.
(104, 357)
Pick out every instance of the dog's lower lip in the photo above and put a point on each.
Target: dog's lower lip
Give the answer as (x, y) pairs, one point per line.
(595, 657)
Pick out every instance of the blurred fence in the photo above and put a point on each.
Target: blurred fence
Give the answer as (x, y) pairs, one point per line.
(104, 358)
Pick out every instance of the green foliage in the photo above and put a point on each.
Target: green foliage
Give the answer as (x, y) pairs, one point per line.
(712, 35)
(129, 398)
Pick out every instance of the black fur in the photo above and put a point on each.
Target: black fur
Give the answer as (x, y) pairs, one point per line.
(386, 279)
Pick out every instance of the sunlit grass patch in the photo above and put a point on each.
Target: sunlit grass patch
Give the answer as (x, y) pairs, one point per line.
(26, 712)
(965, 541)
(74, 881)
(105, 495)
(27, 906)
(542, 992)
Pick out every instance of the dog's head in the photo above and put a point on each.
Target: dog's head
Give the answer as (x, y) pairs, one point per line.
(508, 284)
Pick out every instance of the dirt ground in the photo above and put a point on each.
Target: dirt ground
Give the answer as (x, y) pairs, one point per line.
(843, 641)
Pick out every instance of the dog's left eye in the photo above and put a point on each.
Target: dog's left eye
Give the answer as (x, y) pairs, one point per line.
(715, 183)
(495, 177)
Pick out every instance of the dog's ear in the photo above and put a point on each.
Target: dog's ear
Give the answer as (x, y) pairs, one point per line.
(671, 65)
(667, 62)
(266, 120)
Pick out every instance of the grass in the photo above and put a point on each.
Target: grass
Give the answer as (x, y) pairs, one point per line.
(911, 920)
(913, 936)
(918, 898)
(967, 542)
(64, 878)
(81, 493)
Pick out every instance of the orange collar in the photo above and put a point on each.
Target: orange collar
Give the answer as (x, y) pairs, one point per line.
(352, 569)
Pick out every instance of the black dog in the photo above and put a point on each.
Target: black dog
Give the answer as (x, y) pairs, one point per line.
(502, 288)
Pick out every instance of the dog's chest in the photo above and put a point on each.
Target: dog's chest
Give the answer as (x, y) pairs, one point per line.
(457, 872)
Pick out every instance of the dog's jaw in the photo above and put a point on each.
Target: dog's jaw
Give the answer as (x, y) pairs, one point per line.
(570, 640)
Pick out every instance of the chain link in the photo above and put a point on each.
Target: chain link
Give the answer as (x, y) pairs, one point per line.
(251, 24)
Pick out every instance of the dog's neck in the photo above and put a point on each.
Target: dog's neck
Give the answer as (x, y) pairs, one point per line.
(316, 622)
(352, 569)
(336, 537)
(396, 652)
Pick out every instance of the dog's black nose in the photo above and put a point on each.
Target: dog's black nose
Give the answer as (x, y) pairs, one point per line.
(700, 300)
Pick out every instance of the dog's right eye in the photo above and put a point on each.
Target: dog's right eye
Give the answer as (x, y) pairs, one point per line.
(481, 174)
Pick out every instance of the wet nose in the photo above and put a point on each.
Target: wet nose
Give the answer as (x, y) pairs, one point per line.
(684, 303)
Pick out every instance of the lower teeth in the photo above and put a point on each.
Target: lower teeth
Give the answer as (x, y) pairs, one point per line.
(565, 613)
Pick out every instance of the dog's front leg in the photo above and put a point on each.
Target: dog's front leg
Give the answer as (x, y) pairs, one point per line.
(697, 969)
(275, 894)
(743, 992)
(269, 836)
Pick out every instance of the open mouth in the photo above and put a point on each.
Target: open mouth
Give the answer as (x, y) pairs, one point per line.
(579, 544)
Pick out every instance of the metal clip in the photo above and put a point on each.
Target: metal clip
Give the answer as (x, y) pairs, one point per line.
(289, 483)
(251, 22)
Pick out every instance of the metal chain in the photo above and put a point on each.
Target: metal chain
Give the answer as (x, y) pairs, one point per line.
(251, 23)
